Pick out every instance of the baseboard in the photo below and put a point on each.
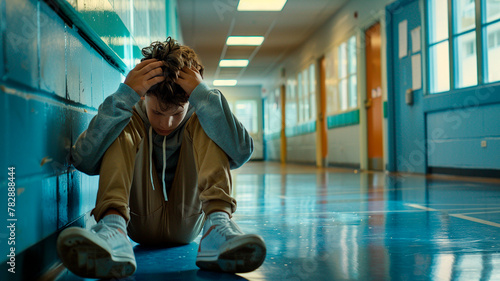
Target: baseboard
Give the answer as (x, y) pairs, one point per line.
(483, 173)
(345, 165)
(40, 261)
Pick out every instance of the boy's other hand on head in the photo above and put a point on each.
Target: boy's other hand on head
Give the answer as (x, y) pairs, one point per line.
(189, 79)
(144, 76)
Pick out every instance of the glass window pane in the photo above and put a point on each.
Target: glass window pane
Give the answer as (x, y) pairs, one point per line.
(352, 55)
(493, 53)
(466, 60)
(465, 15)
(332, 98)
(439, 68)
(301, 93)
(343, 60)
(353, 92)
(492, 10)
(305, 96)
(246, 112)
(291, 104)
(312, 79)
(275, 113)
(438, 20)
(343, 94)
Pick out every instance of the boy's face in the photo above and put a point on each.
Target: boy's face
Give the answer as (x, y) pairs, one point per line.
(164, 121)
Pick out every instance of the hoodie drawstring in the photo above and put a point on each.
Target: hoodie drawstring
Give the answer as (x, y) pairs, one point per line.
(164, 167)
(151, 162)
(151, 156)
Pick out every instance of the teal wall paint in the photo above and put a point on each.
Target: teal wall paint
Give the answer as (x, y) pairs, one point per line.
(52, 79)
(343, 119)
(302, 129)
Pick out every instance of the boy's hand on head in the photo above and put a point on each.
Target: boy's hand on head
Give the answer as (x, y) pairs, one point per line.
(144, 75)
(189, 79)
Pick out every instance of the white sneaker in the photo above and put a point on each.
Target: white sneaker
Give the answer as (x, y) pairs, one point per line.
(102, 252)
(224, 247)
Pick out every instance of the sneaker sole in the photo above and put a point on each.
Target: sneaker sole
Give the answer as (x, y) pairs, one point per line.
(88, 258)
(239, 255)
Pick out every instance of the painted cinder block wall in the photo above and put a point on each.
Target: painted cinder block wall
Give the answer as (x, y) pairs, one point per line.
(51, 83)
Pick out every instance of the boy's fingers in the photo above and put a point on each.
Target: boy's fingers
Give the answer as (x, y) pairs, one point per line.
(143, 63)
(155, 72)
(151, 66)
(155, 80)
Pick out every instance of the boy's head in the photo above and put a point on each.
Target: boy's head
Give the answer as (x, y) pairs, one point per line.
(167, 102)
(175, 57)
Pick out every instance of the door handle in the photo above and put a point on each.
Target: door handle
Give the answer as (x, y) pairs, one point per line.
(368, 103)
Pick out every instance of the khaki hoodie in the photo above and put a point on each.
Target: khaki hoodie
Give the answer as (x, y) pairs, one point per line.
(115, 112)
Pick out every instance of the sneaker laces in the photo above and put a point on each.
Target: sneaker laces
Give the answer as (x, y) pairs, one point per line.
(225, 227)
(105, 231)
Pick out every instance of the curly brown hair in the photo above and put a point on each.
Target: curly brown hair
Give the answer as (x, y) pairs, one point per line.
(176, 57)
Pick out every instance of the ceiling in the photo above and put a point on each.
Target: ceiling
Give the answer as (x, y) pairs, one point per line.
(206, 24)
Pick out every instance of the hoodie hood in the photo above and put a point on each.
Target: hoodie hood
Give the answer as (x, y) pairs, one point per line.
(158, 143)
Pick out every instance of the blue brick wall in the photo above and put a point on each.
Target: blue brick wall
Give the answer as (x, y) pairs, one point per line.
(51, 84)
(46, 64)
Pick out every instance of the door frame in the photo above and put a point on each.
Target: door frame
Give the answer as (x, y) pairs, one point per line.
(379, 17)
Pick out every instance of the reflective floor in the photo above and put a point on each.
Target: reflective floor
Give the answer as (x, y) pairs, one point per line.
(333, 224)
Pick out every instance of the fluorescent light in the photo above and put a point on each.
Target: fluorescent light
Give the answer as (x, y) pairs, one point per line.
(244, 40)
(233, 63)
(225, 82)
(261, 5)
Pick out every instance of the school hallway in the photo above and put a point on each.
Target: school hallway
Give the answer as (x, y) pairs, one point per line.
(368, 132)
(334, 224)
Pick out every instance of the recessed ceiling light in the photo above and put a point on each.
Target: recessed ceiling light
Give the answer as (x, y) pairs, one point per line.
(244, 40)
(225, 82)
(261, 5)
(233, 63)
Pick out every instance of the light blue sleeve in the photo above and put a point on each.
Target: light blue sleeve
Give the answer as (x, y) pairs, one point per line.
(112, 117)
(221, 125)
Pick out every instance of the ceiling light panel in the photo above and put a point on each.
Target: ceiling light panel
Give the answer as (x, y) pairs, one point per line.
(261, 5)
(225, 82)
(244, 40)
(233, 63)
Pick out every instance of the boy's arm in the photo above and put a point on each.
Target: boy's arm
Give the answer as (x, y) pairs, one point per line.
(112, 117)
(221, 125)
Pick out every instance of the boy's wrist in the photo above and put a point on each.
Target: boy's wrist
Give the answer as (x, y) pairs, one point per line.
(128, 95)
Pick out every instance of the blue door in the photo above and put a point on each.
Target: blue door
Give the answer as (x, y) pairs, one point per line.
(407, 148)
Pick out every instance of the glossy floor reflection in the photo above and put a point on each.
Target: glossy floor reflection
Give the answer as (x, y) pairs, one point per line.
(340, 225)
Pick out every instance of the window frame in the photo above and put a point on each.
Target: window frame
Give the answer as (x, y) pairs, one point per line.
(484, 24)
(481, 45)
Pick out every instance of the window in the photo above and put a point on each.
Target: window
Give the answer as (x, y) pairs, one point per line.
(291, 103)
(341, 77)
(307, 94)
(352, 62)
(491, 28)
(332, 96)
(439, 46)
(312, 92)
(464, 40)
(273, 112)
(347, 71)
(246, 112)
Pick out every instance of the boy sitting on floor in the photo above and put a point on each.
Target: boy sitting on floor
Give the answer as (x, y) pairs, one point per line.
(163, 145)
